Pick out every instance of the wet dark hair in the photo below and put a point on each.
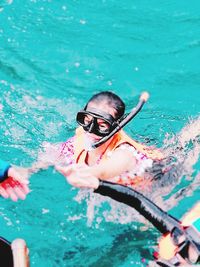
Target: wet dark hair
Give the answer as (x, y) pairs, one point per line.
(110, 99)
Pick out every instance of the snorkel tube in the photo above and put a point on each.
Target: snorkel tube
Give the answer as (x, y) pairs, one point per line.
(143, 99)
(159, 218)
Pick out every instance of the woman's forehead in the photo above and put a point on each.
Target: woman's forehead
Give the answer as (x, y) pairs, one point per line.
(103, 106)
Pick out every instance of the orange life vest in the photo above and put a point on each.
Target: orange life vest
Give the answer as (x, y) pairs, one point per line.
(167, 249)
(119, 138)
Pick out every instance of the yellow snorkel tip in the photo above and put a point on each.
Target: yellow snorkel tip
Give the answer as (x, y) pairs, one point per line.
(144, 96)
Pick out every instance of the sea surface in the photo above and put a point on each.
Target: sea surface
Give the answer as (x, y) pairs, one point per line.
(53, 56)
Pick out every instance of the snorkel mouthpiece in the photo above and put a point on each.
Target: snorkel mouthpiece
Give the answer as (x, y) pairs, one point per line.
(143, 99)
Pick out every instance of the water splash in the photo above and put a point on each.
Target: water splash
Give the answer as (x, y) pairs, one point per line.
(186, 147)
(29, 119)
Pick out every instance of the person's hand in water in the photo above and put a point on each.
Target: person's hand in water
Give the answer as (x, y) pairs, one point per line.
(79, 175)
(15, 186)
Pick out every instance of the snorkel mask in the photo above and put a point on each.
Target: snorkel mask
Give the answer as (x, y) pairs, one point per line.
(96, 121)
(105, 125)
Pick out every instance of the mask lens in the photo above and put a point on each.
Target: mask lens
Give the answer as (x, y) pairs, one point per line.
(83, 118)
(103, 126)
(87, 119)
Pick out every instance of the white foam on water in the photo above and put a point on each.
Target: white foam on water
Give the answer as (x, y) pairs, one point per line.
(185, 146)
(29, 119)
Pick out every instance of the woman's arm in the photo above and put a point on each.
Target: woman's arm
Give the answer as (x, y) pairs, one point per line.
(122, 161)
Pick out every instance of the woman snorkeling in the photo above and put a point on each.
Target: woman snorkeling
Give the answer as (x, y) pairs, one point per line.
(101, 147)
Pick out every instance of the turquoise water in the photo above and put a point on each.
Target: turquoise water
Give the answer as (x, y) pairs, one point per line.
(53, 56)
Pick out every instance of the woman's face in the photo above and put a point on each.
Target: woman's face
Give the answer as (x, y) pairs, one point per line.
(102, 124)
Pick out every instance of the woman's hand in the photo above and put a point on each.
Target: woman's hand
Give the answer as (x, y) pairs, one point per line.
(16, 185)
(79, 176)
